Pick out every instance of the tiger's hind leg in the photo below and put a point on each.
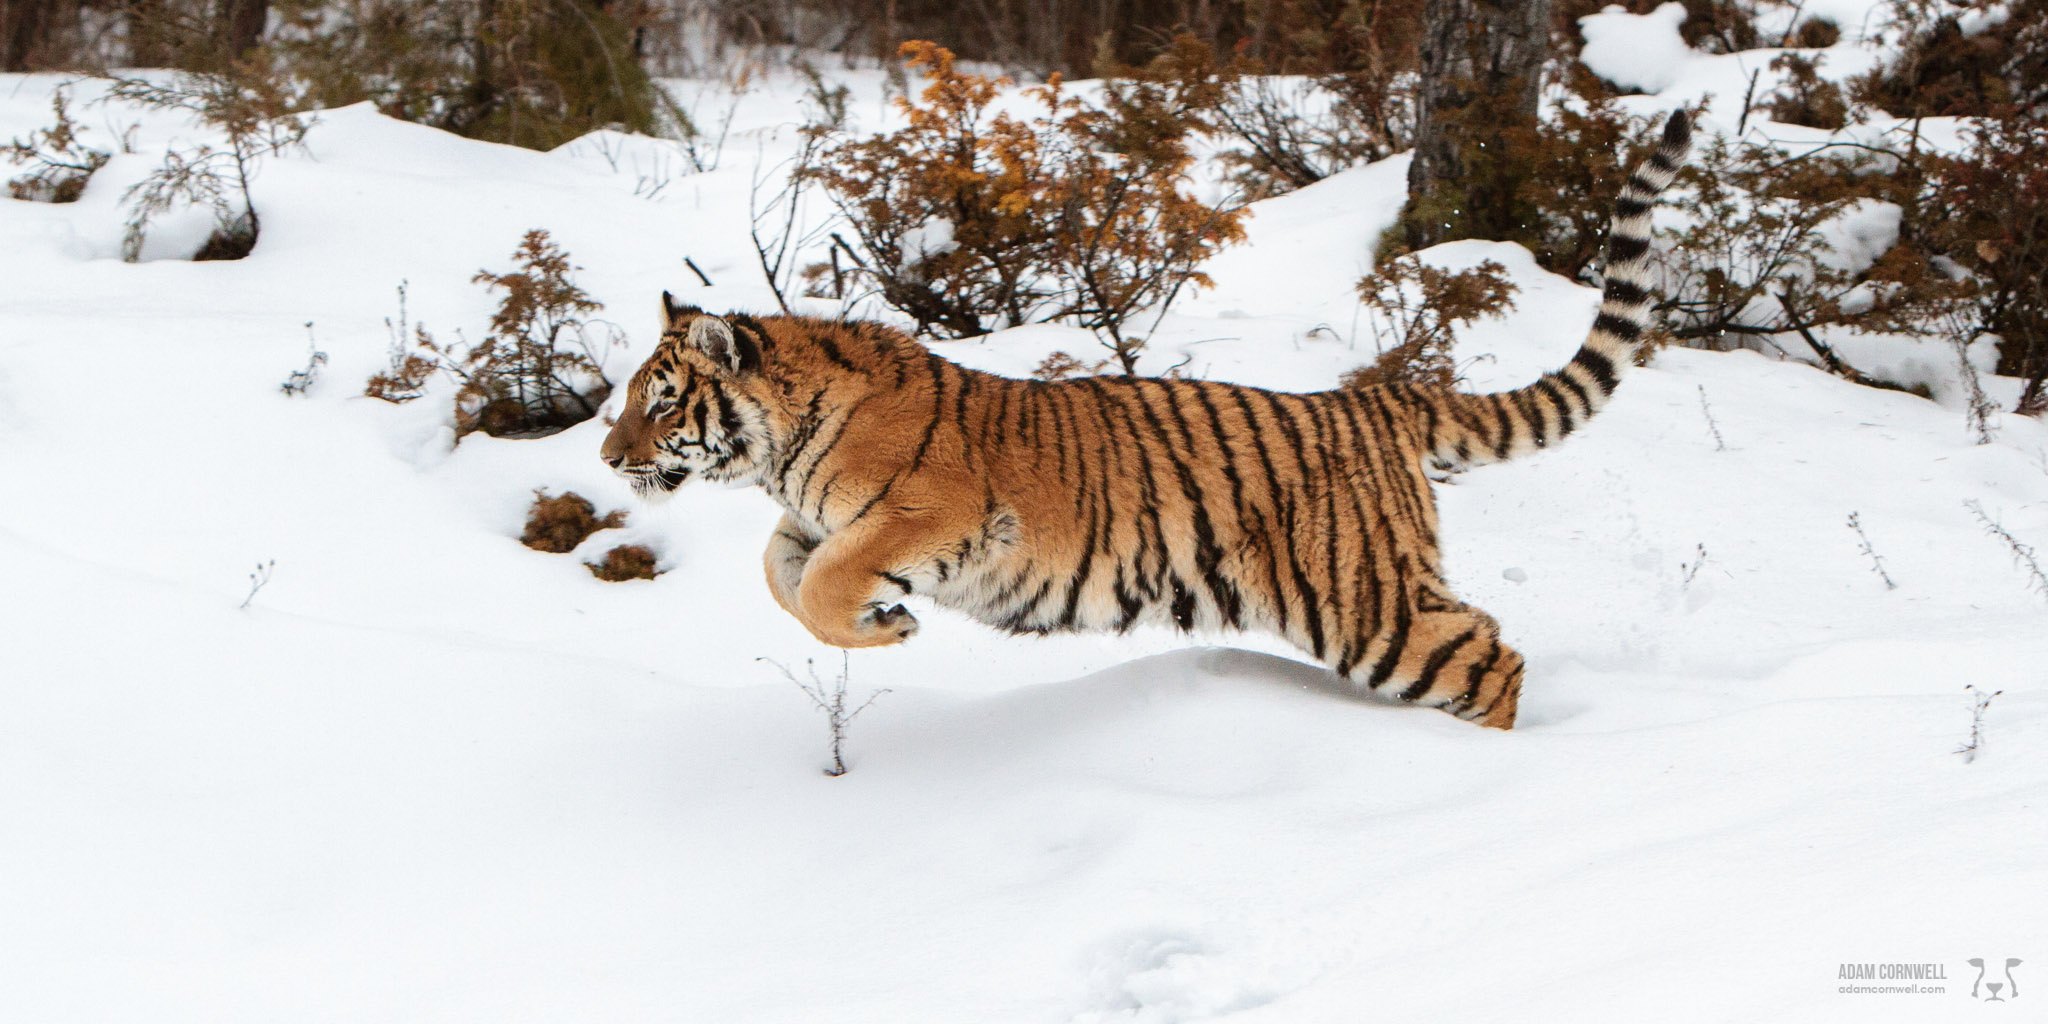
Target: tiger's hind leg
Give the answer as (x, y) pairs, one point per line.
(1446, 654)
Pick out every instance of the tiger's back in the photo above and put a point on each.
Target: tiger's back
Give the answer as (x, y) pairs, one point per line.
(1102, 503)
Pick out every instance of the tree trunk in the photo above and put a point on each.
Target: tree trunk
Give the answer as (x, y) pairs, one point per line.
(244, 21)
(1482, 68)
(23, 26)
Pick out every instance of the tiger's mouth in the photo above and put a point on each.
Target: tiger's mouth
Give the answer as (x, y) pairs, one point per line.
(654, 483)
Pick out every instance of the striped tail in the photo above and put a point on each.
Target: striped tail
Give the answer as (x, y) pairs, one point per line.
(1466, 430)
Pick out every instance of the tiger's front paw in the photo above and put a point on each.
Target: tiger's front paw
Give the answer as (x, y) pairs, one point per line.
(891, 625)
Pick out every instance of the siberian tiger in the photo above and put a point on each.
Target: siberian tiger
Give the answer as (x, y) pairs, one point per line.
(1103, 502)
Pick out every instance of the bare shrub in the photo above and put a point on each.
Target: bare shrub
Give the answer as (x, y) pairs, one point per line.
(2022, 554)
(831, 699)
(1980, 702)
(258, 579)
(57, 164)
(407, 371)
(1322, 87)
(1863, 546)
(560, 523)
(253, 108)
(301, 381)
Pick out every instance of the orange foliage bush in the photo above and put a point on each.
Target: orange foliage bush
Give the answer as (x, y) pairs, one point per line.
(968, 220)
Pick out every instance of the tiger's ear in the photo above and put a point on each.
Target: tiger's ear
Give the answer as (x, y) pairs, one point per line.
(716, 338)
(670, 309)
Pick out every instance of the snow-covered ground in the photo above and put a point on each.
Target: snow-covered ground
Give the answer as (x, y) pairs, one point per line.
(429, 774)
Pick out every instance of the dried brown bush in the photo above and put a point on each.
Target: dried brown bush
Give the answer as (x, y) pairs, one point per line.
(1415, 310)
(966, 220)
(1816, 34)
(560, 523)
(1987, 214)
(1805, 98)
(625, 562)
(539, 371)
(1942, 71)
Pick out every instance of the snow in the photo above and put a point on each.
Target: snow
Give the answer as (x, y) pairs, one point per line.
(1636, 51)
(429, 774)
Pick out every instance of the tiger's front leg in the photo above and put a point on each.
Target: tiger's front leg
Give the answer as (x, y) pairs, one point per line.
(848, 594)
(789, 551)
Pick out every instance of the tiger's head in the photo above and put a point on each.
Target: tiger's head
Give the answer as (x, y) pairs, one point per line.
(698, 407)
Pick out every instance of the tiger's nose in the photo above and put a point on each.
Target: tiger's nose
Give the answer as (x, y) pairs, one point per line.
(612, 460)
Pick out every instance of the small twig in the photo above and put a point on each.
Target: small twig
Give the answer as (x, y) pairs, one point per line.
(1748, 98)
(1980, 702)
(1827, 355)
(832, 702)
(695, 269)
(1712, 427)
(2022, 554)
(1876, 560)
(301, 381)
(256, 581)
(1693, 568)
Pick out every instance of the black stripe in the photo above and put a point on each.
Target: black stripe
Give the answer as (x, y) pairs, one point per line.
(1506, 442)
(864, 509)
(1208, 553)
(931, 426)
(1364, 445)
(1116, 395)
(1258, 440)
(831, 350)
(1080, 577)
(1621, 290)
(1577, 389)
(1326, 449)
(1549, 390)
(1619, 326)
(1183, 605)
(962, 386)
(1627, 207)
(1437, 660)
(1599, 366)
(1531, 417)
(1128, 605)
(895, 579)
(1475, 676)
(1403, 615)
(1626, 249)
(1311, 604)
